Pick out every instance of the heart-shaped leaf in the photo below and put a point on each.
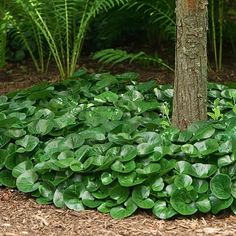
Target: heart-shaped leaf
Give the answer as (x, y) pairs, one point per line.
(182, 202)
(141, 196)
(162, 211)
(26, 182)
(28, 143)
(220, 186)
(123, 211)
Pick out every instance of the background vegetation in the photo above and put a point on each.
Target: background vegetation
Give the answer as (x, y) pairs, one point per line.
(58, 31)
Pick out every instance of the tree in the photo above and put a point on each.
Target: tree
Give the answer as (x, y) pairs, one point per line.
(190, 86)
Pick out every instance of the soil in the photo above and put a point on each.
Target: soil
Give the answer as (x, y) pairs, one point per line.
(17, 76)
(21, 215)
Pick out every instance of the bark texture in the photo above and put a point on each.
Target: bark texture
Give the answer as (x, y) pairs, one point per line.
(190, 86)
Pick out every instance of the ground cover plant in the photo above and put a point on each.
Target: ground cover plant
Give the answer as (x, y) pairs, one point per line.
(105, 141)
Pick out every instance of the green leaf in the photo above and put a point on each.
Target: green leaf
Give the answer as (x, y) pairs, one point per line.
(93, 134)
(73, 197)
(107, 96)
(21, 168)
(127, 76)
(28, 143)
(123, 211)
(15, 133)
(130, 179)
(3, 140)
(162, 211)
(105, 81)
(226, 147)
(189, 149)
(149, 169)
(71, 141)
(106, 178)
(26, 182)
(64, 121)
(102, 193)
(119, 193)
(207, 147)
(158, 185)
(219, 204)
(225, 160)
(128, 153)
(6, 179)
(47, 191)
(141, 196)
(41, 127)
(182, 202)
(3, 157)
(203, 204)
(183, 181)
(58, 199)
(184, 136)
(233, 207)
(122, 167)
(200, 185)
(233, 189)
(203, 133)
(183, 167)
(200, 170)
(220, 186)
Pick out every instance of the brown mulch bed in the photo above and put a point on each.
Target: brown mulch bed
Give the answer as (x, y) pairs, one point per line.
(21, 215)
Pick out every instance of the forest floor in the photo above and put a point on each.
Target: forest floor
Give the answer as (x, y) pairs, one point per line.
(21, 215)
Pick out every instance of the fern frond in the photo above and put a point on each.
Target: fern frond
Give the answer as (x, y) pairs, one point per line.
(116, 56)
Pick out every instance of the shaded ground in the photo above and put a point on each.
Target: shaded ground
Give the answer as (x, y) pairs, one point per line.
(16, 76)
(21, 215)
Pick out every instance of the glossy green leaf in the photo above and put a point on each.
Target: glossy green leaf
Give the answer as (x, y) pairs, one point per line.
(28, 143)
(220, 186)
(122, 167)
(162, 211)
(6, 179)
(181, 201)
(26, 182)
(21, 168)
(183, 181)
(141, 196)
(218, 205)
(41, 126)
(203, 204)
(123, 211)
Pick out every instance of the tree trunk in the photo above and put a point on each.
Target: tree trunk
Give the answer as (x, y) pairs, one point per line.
(190, 86)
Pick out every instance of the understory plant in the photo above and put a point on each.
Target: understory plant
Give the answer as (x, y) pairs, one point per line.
(3, 33)
(59, 26)
(105, 141)
(116, 56)
(156, 23)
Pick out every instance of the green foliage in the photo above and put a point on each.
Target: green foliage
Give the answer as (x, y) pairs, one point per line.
(3, 33)
(104, 141)
(61, 24)
(115, 56)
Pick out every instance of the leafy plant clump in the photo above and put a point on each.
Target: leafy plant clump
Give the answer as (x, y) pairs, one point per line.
(105, 141)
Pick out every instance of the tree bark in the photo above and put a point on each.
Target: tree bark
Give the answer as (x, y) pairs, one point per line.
(190, 86)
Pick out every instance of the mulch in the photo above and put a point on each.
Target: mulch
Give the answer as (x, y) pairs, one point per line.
(21, 215)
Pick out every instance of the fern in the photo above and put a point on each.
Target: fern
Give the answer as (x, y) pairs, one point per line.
(3, 33)
(115, 56)
(63, 25)
(160, 14)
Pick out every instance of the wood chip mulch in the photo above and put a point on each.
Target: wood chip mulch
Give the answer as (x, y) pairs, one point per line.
(21, 215)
